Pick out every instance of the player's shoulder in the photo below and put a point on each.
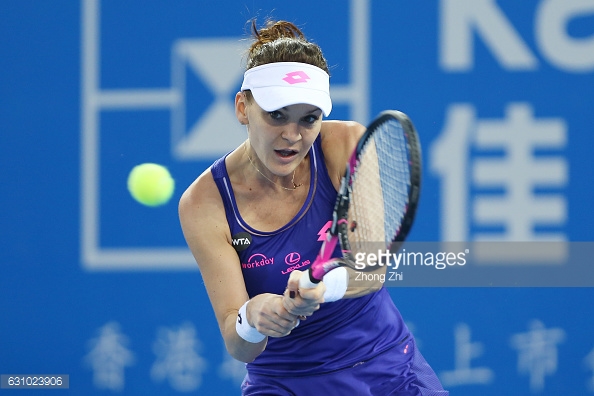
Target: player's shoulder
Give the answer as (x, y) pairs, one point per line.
(334, 131)
(201, 200)
(339, 139)
(200, 188)
(340, 136)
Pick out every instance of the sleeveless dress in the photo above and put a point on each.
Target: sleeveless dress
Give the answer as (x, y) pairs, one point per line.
(340, 334)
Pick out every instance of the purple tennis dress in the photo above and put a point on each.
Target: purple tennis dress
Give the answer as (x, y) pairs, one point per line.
(357, 346)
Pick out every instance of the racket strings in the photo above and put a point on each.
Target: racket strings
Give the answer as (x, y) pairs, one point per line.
(380, 189)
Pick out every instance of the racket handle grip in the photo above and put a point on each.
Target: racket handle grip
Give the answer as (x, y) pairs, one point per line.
(307, 281)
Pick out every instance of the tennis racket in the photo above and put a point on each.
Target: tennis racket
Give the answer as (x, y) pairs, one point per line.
(377, 197)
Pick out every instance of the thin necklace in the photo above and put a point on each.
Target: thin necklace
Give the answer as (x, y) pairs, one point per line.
(295, 186)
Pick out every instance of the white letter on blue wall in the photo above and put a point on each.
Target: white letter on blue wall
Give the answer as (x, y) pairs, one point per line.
(459, 19)
(567, 53)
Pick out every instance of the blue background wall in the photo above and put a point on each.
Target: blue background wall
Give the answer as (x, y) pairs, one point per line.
(93, 284)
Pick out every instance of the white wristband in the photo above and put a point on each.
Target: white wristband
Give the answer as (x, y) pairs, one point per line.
(336, 282)
(243, 328)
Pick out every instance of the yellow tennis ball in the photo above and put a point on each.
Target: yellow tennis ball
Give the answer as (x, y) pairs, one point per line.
(151, 184)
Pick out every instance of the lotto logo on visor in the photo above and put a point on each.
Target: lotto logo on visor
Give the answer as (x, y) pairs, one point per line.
(296, 77)
(281, 84)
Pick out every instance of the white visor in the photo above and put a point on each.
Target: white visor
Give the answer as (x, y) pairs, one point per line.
(280, 84)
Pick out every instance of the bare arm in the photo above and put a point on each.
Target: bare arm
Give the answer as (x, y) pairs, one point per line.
(207, 234)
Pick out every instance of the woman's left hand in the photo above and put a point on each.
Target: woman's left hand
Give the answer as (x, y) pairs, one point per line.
(302, 302)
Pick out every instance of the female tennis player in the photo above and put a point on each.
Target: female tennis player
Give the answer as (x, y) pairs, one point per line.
(254, 222)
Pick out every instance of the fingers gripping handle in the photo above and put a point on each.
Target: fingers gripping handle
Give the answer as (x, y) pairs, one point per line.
(307, 281)
(320, 266)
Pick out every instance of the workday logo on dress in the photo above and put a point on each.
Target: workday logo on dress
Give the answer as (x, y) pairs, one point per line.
(257, 260)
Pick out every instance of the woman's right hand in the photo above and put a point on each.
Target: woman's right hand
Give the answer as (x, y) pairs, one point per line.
(268, 315)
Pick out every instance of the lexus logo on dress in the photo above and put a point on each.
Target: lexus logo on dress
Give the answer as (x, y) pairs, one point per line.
(292, 258)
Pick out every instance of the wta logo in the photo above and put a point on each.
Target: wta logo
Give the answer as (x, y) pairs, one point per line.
(257, 260)
(241, 241)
